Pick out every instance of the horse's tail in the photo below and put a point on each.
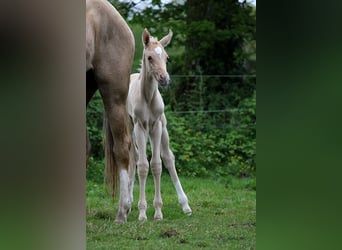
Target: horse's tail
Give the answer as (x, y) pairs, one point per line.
(111, 173)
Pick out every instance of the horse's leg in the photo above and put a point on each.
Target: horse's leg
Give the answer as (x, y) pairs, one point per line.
(169, 161)
(118, 122)
(156, 167)
(115, 108)
(141, 140)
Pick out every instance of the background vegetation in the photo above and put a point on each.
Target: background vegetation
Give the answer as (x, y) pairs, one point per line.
(211, 102)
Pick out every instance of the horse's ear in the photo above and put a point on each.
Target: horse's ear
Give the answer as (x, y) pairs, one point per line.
(166, 39)
(145, 37)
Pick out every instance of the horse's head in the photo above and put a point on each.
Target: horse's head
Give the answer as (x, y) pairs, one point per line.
(155, 57)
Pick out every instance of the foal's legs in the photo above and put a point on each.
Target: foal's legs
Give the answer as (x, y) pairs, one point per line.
(141, 140)
(133, 156)
(156, 167)
(169, 161)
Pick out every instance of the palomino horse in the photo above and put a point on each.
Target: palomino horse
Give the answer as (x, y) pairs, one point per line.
(146, 108)
(110, 52)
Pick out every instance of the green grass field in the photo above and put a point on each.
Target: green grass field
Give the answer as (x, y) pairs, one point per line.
(224, 217)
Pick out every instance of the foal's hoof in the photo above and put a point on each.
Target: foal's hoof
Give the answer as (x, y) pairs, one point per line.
(142, 217)
(187, 210)
(120, 219)
(158, 216)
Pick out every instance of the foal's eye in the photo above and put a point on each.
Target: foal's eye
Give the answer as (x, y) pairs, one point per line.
(149, 58)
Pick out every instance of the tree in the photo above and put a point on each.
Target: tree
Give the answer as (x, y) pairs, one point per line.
(211, 38)
(217, 33)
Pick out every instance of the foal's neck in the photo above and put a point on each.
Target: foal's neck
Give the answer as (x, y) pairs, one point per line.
(149, 85)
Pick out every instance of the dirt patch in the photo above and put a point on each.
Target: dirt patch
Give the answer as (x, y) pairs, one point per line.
(182, 241)
(141, 238)
(169, 233)
(202, 244)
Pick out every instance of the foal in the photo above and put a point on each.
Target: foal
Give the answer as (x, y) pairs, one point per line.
(146, 108)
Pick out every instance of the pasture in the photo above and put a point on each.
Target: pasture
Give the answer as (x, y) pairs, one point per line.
(224, 217)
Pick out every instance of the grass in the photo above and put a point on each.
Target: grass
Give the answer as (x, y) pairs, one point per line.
(224, 217)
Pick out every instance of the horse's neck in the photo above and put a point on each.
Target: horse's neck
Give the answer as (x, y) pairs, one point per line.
(148, 85)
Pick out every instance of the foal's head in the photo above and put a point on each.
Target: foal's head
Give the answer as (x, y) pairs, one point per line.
(155, 57)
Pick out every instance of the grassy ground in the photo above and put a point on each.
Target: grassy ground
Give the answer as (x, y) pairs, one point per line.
(224, 217)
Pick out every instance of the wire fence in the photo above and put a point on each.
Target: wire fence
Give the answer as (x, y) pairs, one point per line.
(220, 117)
(220, 76)
(208, 111)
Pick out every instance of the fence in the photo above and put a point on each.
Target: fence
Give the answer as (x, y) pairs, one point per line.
(220, 115)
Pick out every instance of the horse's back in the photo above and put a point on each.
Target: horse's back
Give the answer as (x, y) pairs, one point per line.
(109, 40)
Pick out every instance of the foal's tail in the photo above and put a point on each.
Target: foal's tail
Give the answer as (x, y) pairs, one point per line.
(112, 172)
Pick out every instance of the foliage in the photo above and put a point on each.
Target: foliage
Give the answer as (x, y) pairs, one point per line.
(94, 126)
(242, 139)
(204, 148)
(95, 170)
(224, 217)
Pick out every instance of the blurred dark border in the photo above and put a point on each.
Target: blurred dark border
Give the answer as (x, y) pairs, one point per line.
(298, 131)
(42, 128)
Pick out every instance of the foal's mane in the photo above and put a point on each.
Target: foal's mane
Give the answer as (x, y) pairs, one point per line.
(153, 40)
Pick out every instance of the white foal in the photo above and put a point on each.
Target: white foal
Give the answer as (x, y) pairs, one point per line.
(146, 108)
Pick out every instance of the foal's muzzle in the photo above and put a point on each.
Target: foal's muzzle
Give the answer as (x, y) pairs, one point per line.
(164, 80)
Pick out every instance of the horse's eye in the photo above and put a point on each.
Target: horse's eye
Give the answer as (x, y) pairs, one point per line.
(168, 60)
(149, 58)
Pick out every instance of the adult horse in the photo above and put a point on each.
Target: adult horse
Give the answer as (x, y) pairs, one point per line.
(109, 54)
(146, 108)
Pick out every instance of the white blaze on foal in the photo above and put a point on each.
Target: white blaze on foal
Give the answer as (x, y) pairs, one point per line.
(158, 51)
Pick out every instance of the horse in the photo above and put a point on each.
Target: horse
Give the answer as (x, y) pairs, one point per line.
(109, 58)
(146, 109)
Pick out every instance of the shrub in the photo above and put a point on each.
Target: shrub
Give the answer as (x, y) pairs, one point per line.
(202, 148)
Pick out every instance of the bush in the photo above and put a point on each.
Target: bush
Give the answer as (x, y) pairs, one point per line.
(95, 125)
(202, 148)
(95, 170)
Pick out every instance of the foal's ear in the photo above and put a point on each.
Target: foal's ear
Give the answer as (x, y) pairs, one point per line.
(166, 39)
(145, 37)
